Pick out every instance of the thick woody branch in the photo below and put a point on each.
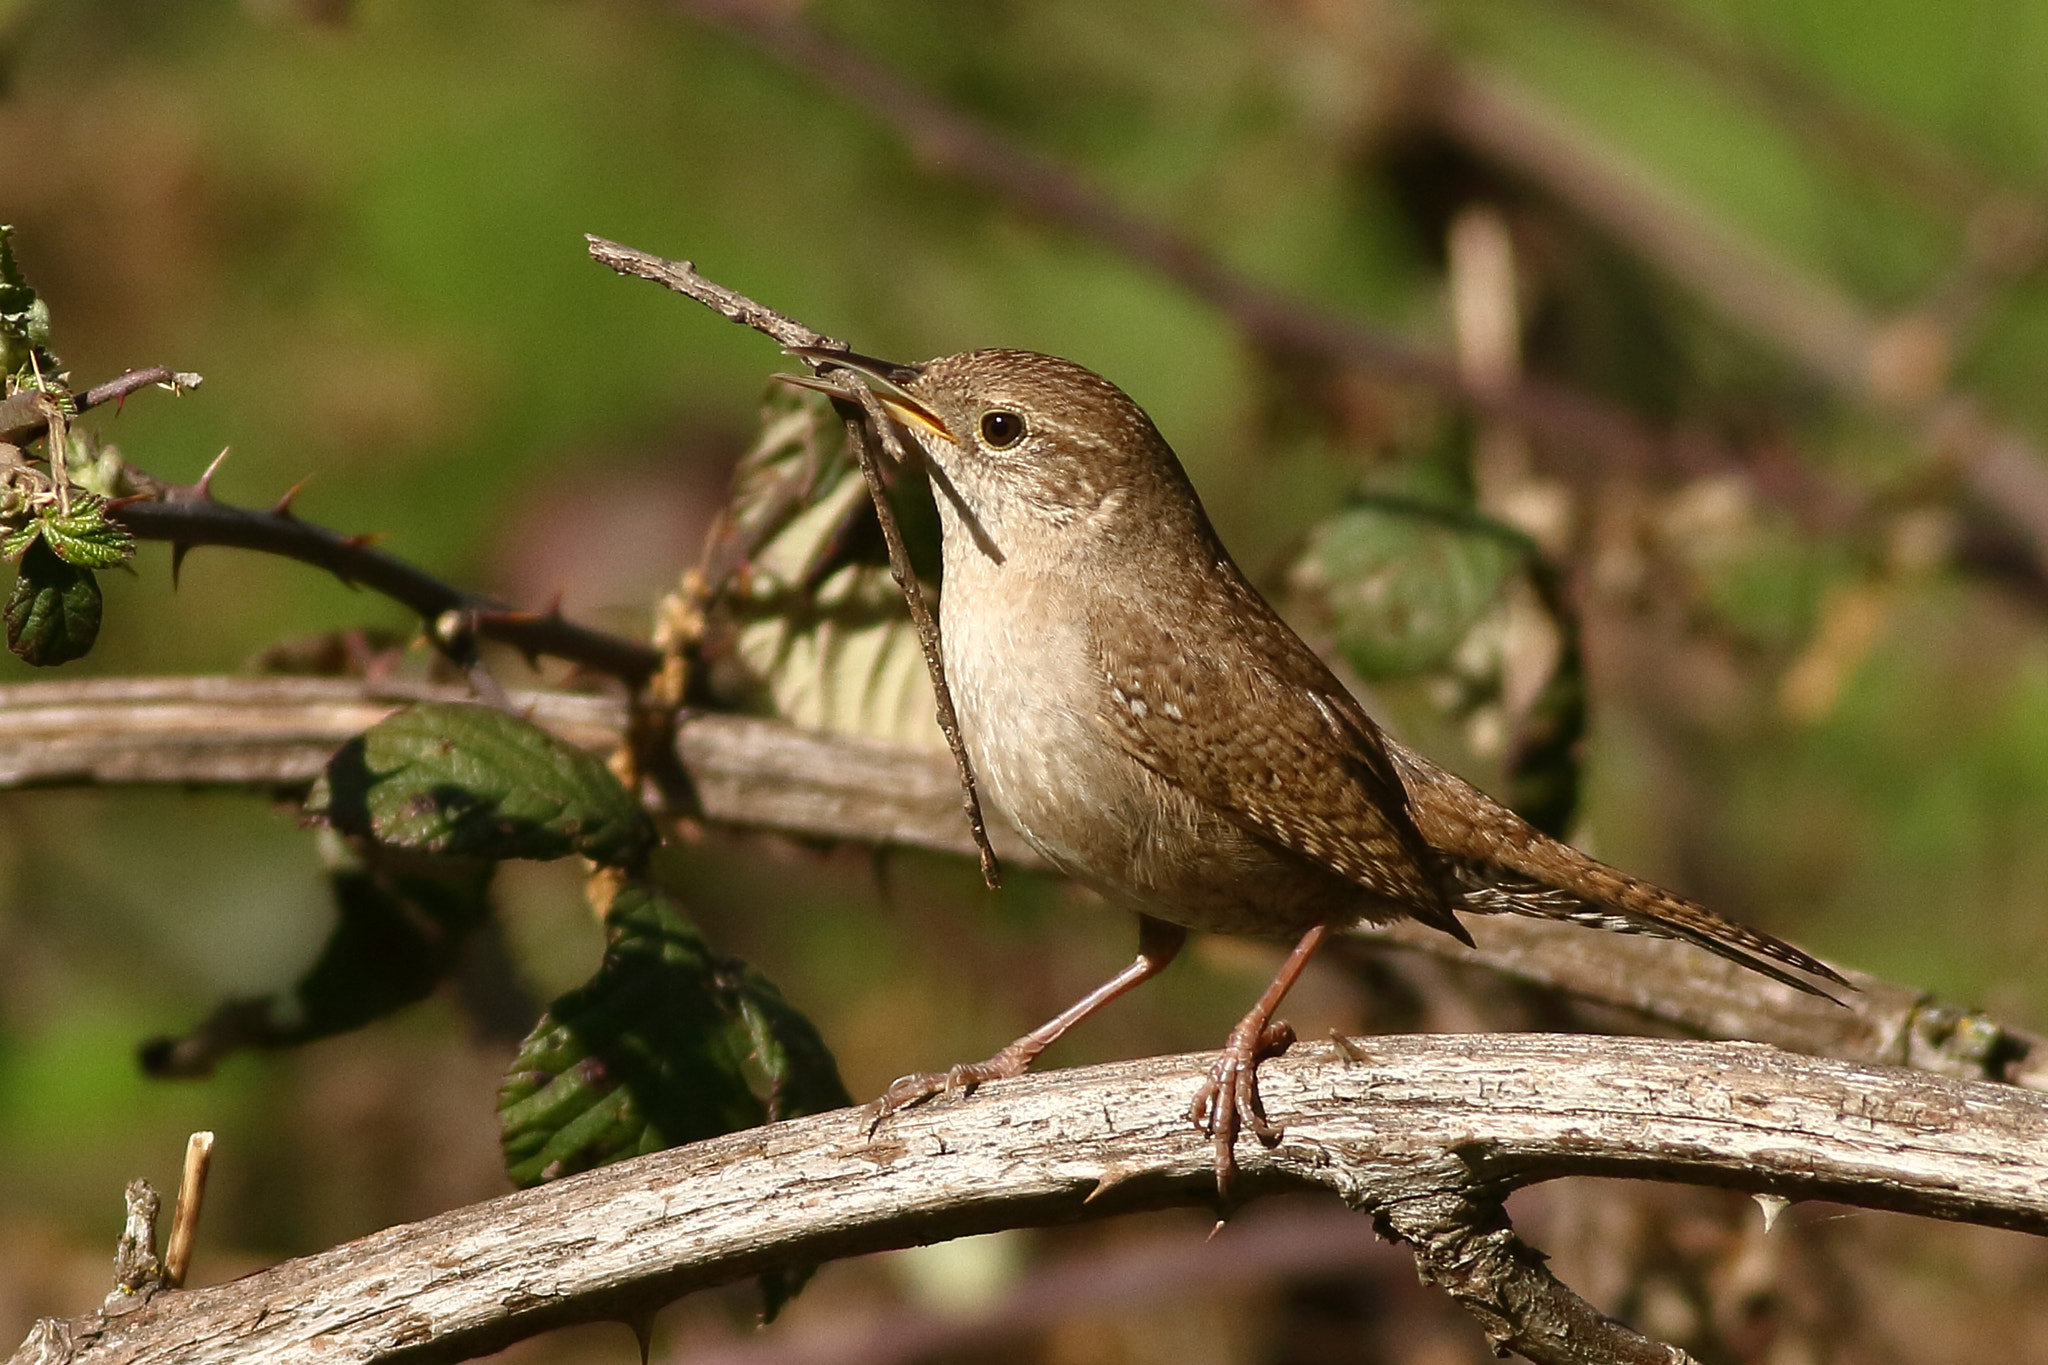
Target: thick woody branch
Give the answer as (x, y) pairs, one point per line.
(187, 517)
(766, 775)
(1427, 1134)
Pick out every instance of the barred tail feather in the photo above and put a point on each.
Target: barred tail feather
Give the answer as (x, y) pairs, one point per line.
(1497, 891)
(1496, 863)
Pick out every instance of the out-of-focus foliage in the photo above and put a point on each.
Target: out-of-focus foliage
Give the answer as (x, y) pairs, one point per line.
(1819, 711)
(402, 923)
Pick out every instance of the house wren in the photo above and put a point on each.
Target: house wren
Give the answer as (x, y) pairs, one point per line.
(1149, 723)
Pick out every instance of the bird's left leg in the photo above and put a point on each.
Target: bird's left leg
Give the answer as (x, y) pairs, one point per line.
(1158, 943)
(1229, 1098)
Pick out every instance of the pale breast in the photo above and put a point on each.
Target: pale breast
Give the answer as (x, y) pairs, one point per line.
(1029, 691)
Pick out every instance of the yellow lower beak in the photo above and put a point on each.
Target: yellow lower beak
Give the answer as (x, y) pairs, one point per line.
(882, 377)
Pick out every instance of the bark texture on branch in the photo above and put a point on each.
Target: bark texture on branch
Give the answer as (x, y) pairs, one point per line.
(1428, 1134)
(763, 774)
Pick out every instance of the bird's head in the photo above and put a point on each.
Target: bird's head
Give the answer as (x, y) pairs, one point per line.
(1028, 446)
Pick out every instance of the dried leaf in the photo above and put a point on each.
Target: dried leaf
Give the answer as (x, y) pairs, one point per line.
(815, 630)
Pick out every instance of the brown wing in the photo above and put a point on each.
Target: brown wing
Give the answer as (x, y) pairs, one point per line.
(1250, 721)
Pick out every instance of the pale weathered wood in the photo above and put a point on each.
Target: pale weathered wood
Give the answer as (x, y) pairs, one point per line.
(762, 774)
(278, 731)
(1426, 1133)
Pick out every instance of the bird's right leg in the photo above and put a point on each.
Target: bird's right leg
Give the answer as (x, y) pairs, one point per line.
(1229, 1099)
(1158, 943)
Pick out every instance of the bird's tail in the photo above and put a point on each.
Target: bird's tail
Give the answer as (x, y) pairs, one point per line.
(1497, 863)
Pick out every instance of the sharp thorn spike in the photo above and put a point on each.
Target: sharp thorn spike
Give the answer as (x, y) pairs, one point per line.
(205, 484)
(642, 1325)
(283, 506)
(1111, 1177)
(178, 553)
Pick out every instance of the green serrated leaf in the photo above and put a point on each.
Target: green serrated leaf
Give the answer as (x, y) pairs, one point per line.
(1403, 584)
(442, 777)
(53, 614)
(85, 535)
(24, 318)
(667, 1044)
(403, 920)
(15, 542)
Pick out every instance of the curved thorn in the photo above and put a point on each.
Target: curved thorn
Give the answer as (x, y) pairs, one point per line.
(283, 506)
(205, 484)
(179, 550)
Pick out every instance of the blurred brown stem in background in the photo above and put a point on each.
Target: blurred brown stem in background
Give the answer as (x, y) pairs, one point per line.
(1898, 368)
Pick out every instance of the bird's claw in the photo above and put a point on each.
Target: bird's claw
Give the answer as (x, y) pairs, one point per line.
(1228, 1099)
(906, 1092)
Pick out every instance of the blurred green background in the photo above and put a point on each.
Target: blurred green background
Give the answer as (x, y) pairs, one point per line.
(1817, 662)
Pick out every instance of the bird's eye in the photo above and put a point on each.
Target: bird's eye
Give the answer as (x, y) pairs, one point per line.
(1001, 428)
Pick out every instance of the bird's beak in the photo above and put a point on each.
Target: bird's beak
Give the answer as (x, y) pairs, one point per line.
(885, 377)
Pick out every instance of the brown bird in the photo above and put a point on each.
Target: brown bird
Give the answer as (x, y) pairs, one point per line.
(1146, 720)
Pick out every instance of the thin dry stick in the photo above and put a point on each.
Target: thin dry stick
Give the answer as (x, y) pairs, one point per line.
(863, 434)
(191, 1197)
(682, 277)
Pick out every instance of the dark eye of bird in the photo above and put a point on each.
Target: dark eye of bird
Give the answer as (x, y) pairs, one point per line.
(1000, 428)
